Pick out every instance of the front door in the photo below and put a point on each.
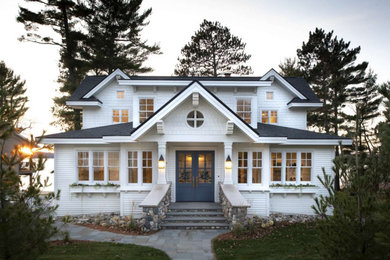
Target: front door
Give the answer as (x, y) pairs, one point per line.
(194, 176)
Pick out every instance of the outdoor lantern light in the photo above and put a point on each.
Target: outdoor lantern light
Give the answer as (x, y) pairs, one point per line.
(228, 163)
(161, 162)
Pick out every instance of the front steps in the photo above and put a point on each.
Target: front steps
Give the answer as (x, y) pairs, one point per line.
(195, 215)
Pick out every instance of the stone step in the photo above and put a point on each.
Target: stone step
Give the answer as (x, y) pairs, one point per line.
(195, 225)
(195, 213)
(202, 219)
(194, 206)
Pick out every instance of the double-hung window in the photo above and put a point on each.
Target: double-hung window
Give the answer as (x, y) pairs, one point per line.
(113, 166)
(269, 116)
(276, 166)
(291, 167)
(83, 166)
(242, 167)
(140, 167)
(120, 115)
(98, 166)
(120, 94)
(257, 165)
(146, 108)
(306, 166)
(244, 109)
(133, 167)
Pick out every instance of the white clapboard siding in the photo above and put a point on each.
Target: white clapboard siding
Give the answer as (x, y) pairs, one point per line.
(65, 174)
(259, 202)
(130, 200)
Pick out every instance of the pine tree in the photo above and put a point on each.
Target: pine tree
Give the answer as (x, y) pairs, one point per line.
(61, 16)
(114, 39)
(290, 68)
(12, 101)
(213, 51)
(26, 218)
(366, 100)
(329, 67)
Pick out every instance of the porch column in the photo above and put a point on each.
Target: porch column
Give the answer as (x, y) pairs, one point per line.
(162, 178)
(228, 172)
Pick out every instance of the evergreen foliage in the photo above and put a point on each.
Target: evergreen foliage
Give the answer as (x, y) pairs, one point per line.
(290, 68)
(26, 221)
(62, 17)
(213, 51)
(113, 39)
(329, 67)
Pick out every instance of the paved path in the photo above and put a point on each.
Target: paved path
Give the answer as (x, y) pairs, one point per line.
(178, 244)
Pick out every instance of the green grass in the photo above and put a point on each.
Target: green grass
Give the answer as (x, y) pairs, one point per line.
(292, 242)
(106, 251)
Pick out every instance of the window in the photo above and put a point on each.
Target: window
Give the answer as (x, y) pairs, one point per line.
(115, 116)
(147, 167)
(83, 166)
(291, 166)
(269, 95)
(244, 109)
(242, 167)
(305, 166)
(276, 166)
(113, 166)
(133, 167)
(195, 119)
(125, 115)
(120, 94)
(257, 164)
(146, 108)
(98, 166)
(269, 116)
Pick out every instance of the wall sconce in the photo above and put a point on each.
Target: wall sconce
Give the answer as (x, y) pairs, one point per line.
(228, 162)
(161, 162)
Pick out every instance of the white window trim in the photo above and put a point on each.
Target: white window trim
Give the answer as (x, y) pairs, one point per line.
(266, 95)
(249, 182)
(269, 115)
(139, 168)
(193, 127)
(298, 177)
(245, 98)
(91, 181)
(124, 94)
(138, 105)
(120, 115)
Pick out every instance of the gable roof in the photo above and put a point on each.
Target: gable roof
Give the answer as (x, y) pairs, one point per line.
(91, 84)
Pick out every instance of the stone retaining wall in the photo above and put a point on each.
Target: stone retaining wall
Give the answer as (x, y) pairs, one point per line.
(234, 215)
(152, 217)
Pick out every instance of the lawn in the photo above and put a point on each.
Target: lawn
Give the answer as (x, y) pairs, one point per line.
(106, 251)
(292, 242)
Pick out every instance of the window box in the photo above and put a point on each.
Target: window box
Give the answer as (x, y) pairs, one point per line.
(293, 189)
(94, 189)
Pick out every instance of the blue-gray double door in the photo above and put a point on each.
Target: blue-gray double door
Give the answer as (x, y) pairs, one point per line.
(194, 176)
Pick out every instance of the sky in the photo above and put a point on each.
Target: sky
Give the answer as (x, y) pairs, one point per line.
(273, 31)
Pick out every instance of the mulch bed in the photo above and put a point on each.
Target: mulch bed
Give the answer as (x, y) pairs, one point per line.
(260, 232)
(117, 230)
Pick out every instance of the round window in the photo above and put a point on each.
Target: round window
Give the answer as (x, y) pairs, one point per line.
(195, 119)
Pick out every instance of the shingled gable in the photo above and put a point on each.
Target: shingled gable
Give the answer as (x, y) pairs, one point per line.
(195, 86)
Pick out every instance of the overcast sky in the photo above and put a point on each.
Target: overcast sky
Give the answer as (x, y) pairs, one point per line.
(273, 30)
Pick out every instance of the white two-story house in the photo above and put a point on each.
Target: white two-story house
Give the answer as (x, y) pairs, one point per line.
(196, 134)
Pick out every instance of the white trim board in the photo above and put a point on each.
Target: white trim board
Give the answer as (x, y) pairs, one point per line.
(273, 73)
(104, 82)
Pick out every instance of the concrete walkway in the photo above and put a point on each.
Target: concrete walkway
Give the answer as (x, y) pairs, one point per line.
(178, 244)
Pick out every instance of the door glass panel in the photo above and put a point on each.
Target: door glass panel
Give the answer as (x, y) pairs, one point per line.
(205, 169)
(185, 168)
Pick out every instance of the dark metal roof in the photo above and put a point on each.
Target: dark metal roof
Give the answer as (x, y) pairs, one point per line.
(268, 130)
(298, 83)
(124, 129)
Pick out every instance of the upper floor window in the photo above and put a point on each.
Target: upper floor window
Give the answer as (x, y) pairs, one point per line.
(305, 166)
(244, 109)
(146, 108)
(269, 95)
(269, 116)
(120, 115)
(195, 119)
(120, 94)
